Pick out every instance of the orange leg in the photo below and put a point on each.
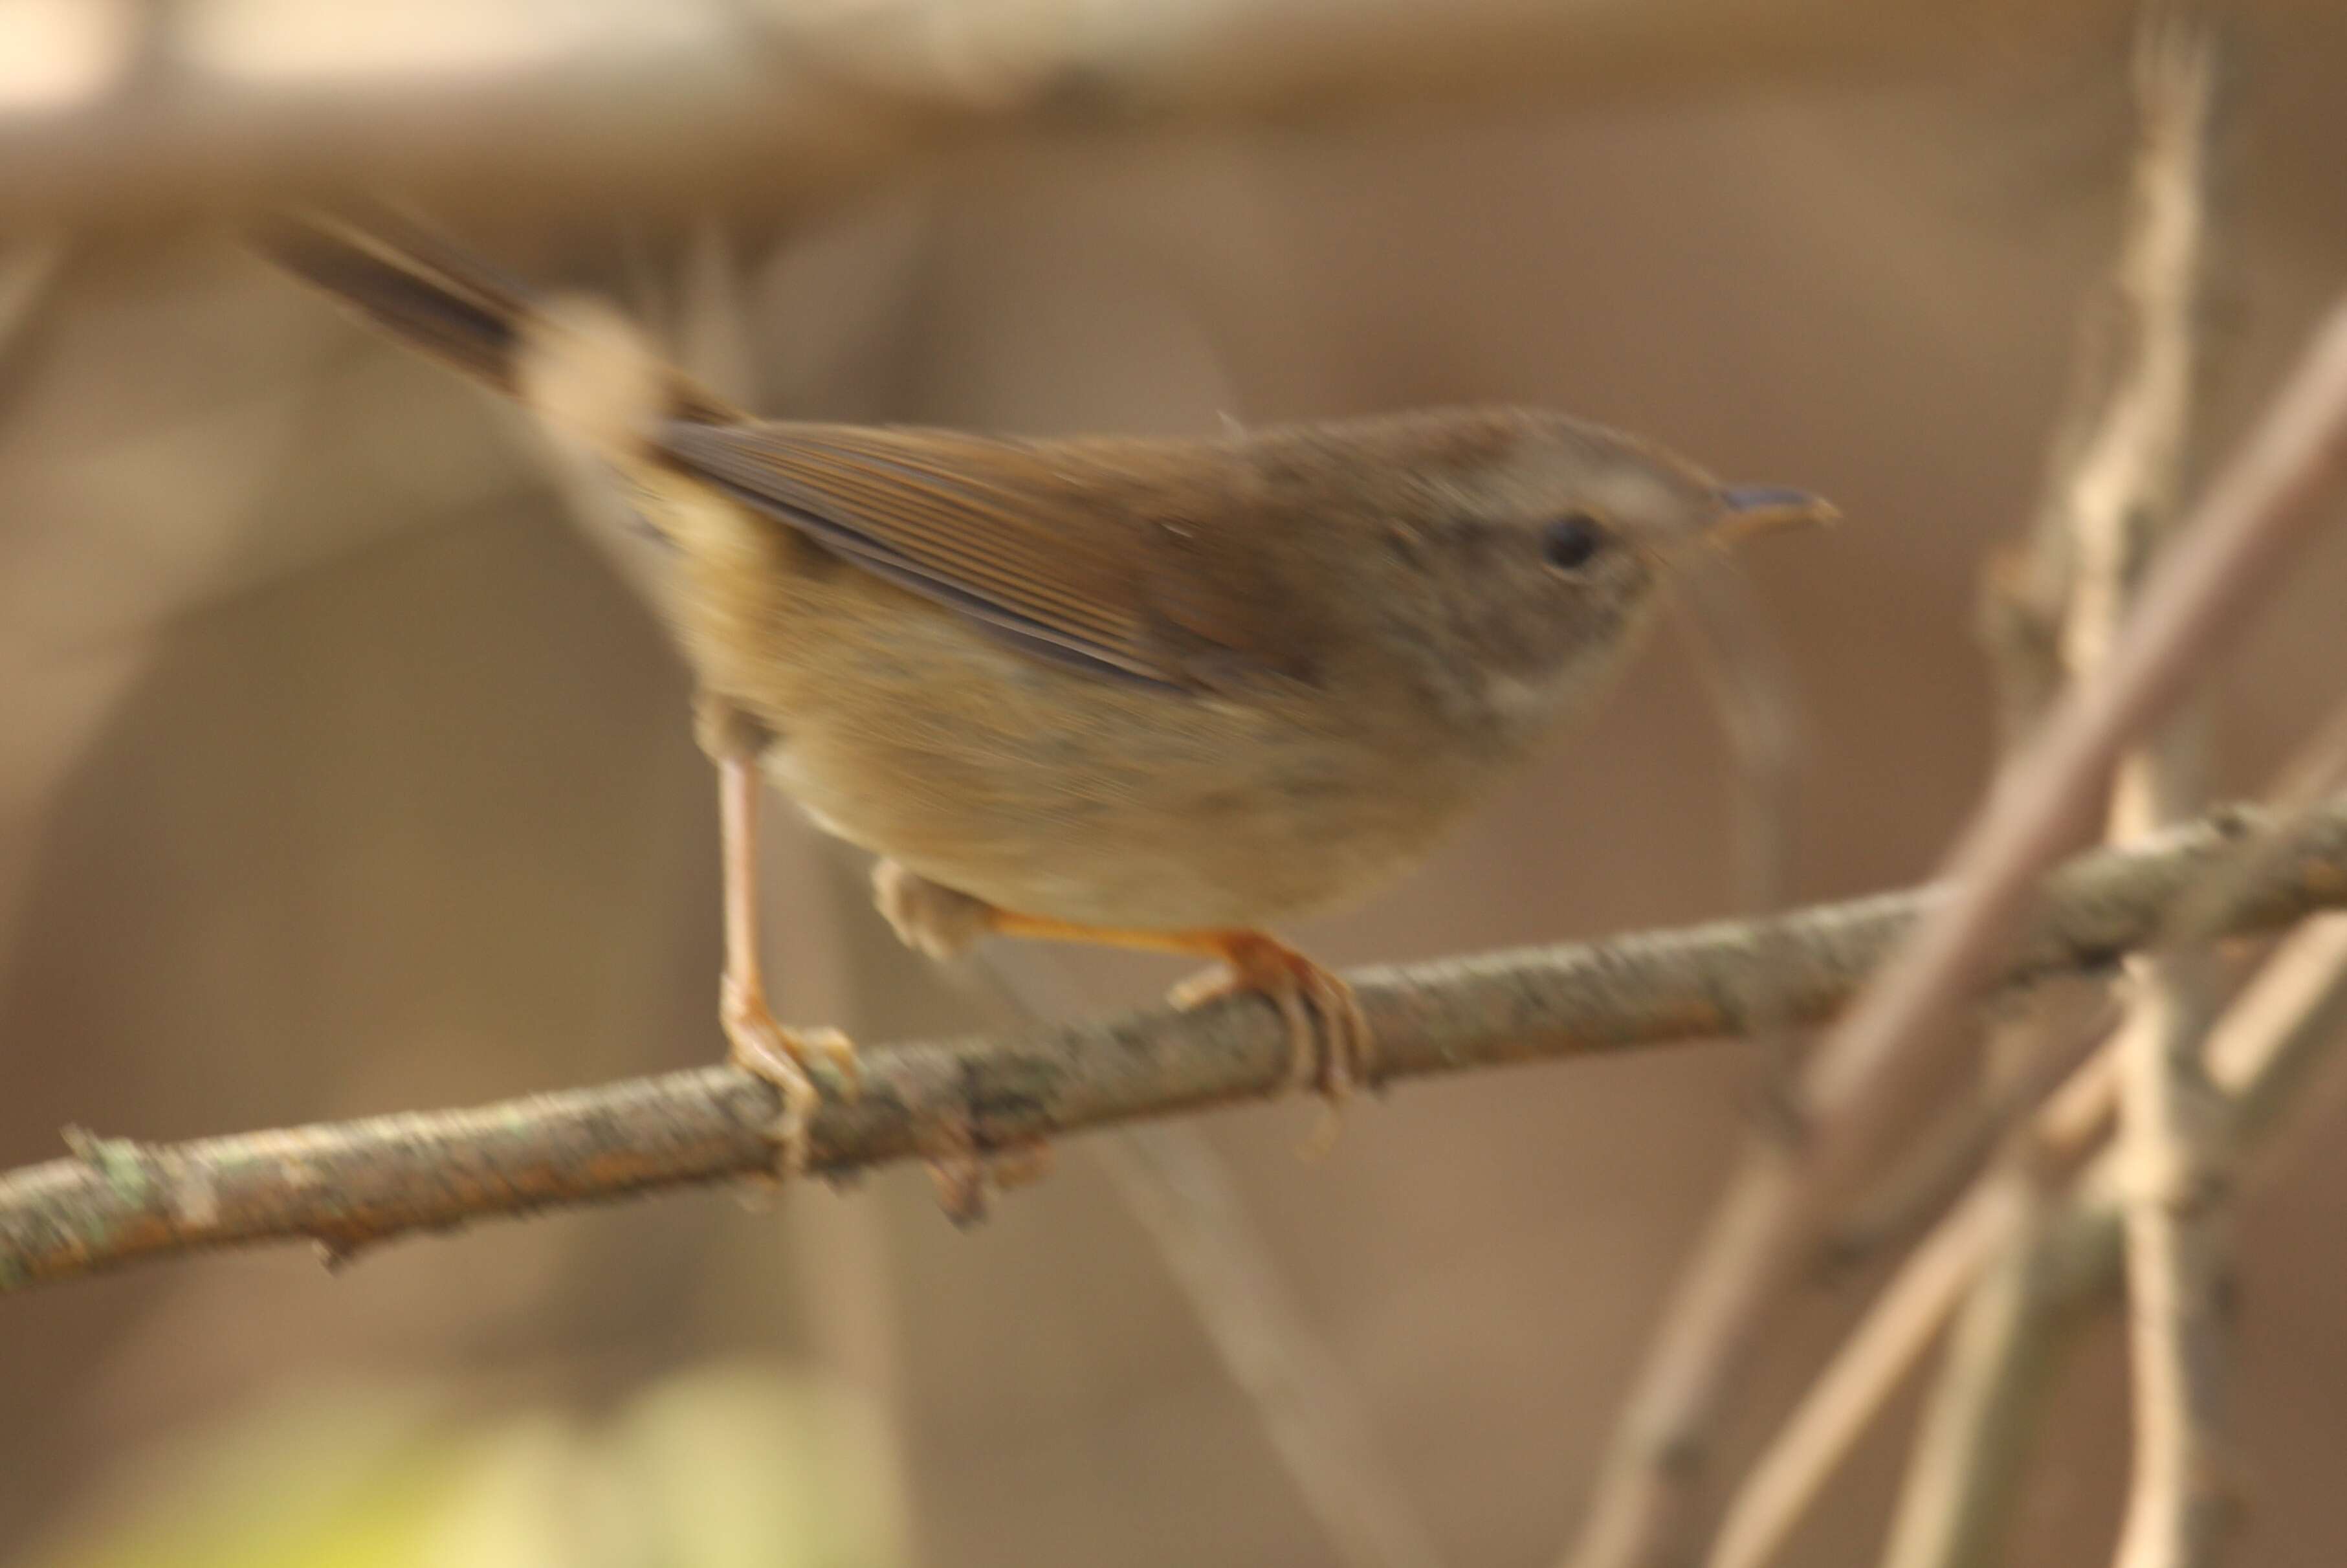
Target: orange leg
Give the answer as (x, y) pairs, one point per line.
(758, 1044)
(1333, 1058)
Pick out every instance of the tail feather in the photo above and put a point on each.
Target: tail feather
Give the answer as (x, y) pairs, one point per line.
(421, 290)
(441, 301)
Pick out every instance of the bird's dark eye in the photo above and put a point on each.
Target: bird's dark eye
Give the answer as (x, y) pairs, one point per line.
(1569, 542)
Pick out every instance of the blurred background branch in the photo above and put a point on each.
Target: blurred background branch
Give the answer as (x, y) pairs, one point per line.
(2125, 502)
(1862, 1085)
(338, 777)
(132, 113)
(2122, 456)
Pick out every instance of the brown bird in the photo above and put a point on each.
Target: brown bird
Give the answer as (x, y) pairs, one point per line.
(1149, 693)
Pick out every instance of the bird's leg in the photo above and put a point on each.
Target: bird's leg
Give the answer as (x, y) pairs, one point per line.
(757, 1044)
(1333, 1057)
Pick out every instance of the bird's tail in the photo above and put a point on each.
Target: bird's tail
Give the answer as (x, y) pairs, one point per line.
(412, 286)
(436, 299)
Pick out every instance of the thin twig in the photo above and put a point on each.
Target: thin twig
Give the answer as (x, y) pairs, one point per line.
(1926, 1184)
(1840, 1403)
(28, 270)
(2112, 501)
(1171, 1180)
(2290, 1022)
(1752, 691)
(2178, 1215)
(1975, 1264)
(2001, 1238)
(1866, 1079)
(1958, 1489)
(351, 1184)
(1180, 1191)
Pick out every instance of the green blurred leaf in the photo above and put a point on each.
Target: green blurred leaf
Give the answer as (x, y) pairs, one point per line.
(737, 1465)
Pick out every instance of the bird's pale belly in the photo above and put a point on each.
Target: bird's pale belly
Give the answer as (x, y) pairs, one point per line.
(1214, 817)
(1053, 792)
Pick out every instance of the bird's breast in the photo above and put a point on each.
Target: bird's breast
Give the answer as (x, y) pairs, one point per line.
(905, 730)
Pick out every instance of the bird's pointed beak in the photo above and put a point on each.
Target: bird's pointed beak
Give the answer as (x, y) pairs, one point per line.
(1745, 510)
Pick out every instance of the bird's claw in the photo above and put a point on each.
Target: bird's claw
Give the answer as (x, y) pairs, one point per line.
(765, 1049)
(1332, 1049)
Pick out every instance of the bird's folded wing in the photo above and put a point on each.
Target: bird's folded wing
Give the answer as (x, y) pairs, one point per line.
(1105, 560)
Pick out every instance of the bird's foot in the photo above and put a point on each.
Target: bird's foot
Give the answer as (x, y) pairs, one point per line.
(765, 1048)
(967, 1176)
(1334, 1053)
(928, 917)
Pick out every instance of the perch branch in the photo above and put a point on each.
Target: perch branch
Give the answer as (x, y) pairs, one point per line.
(1867, 1078)
(349, 1184)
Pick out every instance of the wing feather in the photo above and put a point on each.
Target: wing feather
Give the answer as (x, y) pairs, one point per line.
(1084, 552)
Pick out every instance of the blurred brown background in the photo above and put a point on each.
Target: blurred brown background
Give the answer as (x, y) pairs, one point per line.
(339, 776)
